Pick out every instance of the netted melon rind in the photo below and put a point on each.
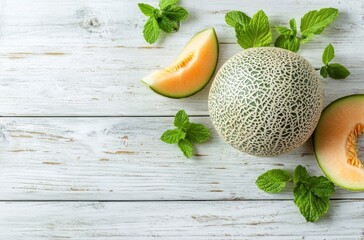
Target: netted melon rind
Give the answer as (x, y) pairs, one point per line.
(265, 101)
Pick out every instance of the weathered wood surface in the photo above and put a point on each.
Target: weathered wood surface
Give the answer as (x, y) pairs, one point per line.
(177, 220)
(85, 58)
(123, 159)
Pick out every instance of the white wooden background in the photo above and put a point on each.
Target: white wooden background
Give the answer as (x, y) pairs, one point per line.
(80, 155)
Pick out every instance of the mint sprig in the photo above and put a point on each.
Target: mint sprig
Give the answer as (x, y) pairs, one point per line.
(167, 18)
(333, 70)
(186, 133)
(311, 194)
(255, 31)
(312, 23)
(288, 38)
(250, 32)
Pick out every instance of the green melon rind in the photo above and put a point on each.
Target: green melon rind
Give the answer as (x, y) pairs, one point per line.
(327, 109)
(208, 78)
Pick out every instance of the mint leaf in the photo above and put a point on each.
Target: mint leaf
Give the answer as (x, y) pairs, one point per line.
(166, 19)
(314, 22)
(165, 3)
(167, 25)
(311, 206)
(157, 13)
(234, 18)
(273, 181)
(186, 133)
(300, 174)
(320, 186)
(175, 13)
(285, 31)
(288, 39)
(181, 119)
(337, 71)
(323, 72)
(328, 55)
(186, 147)
(307, 38)
(311, 194)
(256, 33)
(197, 133)
(293, 25)
(291, 43)
(334, 70)
(151, 30)
(146, 9)
(173, 136)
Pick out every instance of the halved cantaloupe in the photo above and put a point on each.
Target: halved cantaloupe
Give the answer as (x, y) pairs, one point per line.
(334, 142)
(191, 71)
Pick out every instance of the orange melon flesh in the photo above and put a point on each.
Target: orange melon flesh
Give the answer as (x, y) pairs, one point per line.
(330, 141)
(191, 71)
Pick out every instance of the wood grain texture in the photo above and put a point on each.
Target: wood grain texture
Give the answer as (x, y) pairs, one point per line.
(86, 58)
(177, 220)
(123, 159)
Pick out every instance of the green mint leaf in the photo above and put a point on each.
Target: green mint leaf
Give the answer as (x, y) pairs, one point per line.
(273, 181)
(256, 33)
(314, 22)
(288, 39)
(323, 71)
(307, 38)
(173, 136)
(337, 71)
(175, 13)
(293, 25)
(157, 13)
(167, 19)
(186, 147)
(181, 120)
(328, 55)
(320, 186)
(146, 9)
(291, 43)
(167, 25)
(234, 18)
(311, 194)
(186, 133)
(300, 174)
(165, 3)
(197, 133)
(311, 206)
(285, 31)
(151, 30)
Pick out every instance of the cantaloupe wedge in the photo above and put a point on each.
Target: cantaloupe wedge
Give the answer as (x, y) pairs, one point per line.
(334, 142)
(191, 71)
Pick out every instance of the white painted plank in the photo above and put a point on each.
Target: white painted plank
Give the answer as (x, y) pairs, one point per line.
(87, 57)
(123, 159)
(177, 220)
(121, 22)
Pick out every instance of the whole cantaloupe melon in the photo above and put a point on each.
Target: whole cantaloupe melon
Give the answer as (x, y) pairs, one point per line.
(265, 101)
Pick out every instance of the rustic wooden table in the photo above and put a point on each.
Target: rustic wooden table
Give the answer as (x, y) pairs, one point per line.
(80, 152)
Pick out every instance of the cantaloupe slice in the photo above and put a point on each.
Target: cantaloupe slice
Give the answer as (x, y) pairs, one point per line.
(334, 142)
(191, 71)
